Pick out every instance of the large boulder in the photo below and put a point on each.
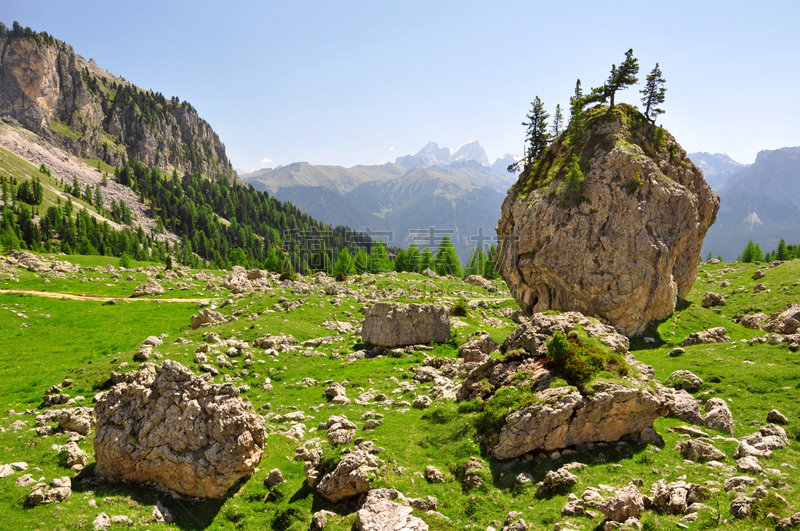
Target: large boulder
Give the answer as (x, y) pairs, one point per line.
(380, 512)
(785, 322)
(396, 325)
(629, 246)
(170, 428)
(351, 477)
(151, 287)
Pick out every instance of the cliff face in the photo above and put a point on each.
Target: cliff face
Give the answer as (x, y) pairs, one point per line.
(629, 245)
(56, 93)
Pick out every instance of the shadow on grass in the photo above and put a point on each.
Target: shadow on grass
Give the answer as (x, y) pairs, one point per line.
(187, 513)
(638, 342)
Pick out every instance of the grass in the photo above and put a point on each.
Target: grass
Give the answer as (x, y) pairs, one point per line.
(87, 340)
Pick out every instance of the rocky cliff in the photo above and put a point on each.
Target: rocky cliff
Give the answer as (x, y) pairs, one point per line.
(49, 89)
(622, 240)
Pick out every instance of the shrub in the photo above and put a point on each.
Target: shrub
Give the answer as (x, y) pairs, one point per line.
(495, 410)
(460, 308)
(578, 363)
(125, 260)
(770, 503)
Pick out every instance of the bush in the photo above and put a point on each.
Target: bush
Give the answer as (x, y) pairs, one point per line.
(770, 503)
(578, 363)
(495, 410)
(460, 308)
(125, 260)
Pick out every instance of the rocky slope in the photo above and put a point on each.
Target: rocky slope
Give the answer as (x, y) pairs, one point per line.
(51, 90)
(628, 245)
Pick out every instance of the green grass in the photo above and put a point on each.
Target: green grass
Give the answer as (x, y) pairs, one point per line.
(87, 340)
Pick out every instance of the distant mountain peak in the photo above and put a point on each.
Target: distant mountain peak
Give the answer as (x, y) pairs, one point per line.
(432, 155)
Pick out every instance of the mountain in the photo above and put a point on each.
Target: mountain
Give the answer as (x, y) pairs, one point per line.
(73, 104)
(717, 168)
(502, 163)
(432, 155)
(463, 197)
(760, 203)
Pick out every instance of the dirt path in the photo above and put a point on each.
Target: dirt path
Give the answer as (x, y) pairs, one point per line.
(56, 295)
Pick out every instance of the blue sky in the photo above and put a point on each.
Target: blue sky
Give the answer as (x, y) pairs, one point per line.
(362, 82)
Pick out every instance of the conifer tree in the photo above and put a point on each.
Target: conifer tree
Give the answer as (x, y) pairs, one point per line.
(401, 261)
(414, 259)
(576, 103)
(653, 94)
(476, 264)
(622, 77)
(379, 258)
(573, 182)
(489, 270)
(536, 135)
(447, 262)
(426, 259)
(782, 253)
(361, 261)
(344, 263)
(558, 120)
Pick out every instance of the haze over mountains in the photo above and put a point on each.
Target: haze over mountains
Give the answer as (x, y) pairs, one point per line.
(455, 192)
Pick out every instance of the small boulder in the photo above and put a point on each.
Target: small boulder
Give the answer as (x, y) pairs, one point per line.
(351, 477)
(382, 512)
(699, 450)
(59, 490)
(477, 348)
(274, 478)
(433, 474)
(150, 287)
(718, 416)
(776, 417)
(626, 503)
(712, 335)
(684, 380)
(713, 299)
(396, 325)
(556, 482)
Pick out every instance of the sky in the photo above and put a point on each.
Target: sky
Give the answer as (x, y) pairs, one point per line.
(363, 82)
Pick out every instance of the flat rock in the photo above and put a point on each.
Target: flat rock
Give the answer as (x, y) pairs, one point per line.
(395, 325)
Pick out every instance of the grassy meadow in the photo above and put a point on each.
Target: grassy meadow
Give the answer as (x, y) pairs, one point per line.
(86, 340)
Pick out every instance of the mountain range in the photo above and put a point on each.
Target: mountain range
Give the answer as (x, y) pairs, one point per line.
(452, 192)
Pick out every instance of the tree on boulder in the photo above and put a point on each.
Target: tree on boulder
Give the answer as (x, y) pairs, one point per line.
(536, 136)
(618, 79)
(653, 94)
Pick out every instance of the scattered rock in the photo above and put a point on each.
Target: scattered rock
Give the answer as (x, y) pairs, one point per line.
(101, 521)
(433, 474)
(740, 507)
(718, 416)
(151, 287)
(684, 380)
(776, 417)
(676, 352)
(626, 503)
(683, 406)
(395, 325)
(78, 419)
(422, 402)
(380, 512)
(207, 317)
(674, 498)
(477, 348)
(699, 450)
(712, 335)
(556, 482)
(351, 477)
(273, 478)
(713, 299)
(59, 490)
(170, 428)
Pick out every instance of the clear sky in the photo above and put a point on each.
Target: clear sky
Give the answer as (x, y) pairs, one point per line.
(362, 82)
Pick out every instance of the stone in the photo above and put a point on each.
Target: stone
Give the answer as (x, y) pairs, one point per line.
(101, 521)
(121, 519)
(675, 497)
(556, 482)
(170, 428)
(739, 483)
(749, 464)
(676, 352)
(273, 478)
(753, 322)
(207, 317)
(422, 402)
(718, 416)
(684, 380)
(699, 450)
(5, 471)
(712, 299)
(785, 322)
(683, 406)
(24, 481)
(562, 418)
(161, 514)
(350, 478)
(762, 442)
(380, 512)
(789, 523)
(151, 287)
(740, 507)
(650, 436)
(74, 456)
(59, 490)
(433, 474)
(617, 256)
(396, 325)
(78, 419)
(625, 503)
(478, 347)
(776, 417)
(712, 335)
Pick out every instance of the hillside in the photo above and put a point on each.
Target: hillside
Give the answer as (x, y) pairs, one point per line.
(91, 341)
(758, 203)
(72, 103)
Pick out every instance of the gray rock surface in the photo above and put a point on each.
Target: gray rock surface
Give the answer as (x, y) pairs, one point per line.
(625, 503)
(718, 416)
(170, 428)
(684, 380)
(382, 512)
(151, 287)
(396, 325)
(699, 450)
(351, 477)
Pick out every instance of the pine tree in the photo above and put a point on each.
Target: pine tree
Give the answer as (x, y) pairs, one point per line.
(653, 94)
(622, 77)
(558, 120)
(476, 264)
(782, 253)
(426, 260)
(573, 182)
(414, 259)
(758, 254)
(361, 261)
(490, 271)
(536, 135)
(447, 262)
(747, 254)
(576, 103)
(344, 263)
(379, 258)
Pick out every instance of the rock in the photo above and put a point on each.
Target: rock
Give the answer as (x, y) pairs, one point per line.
(161, 514)
(574, 507)
(561, 418)
(473, 472)
(334, 390)
(395, 325)
(24, 481)
(776, 417)
(556, 482)
(626, 503)
(616, 256)
(785, 322)
(351, 477)
(789, 523)
(5, 471)
(713, 299)
(273, 478)
(740, 507)
(752, 322)
(170, 428)
(690, 430)
(380, 512)
(477, 348)
(683, 406)
(433, 474)
(320, 519)
(59, 490)
(78, 419)
(718, 416)
(749, 464)
(74, 456)
(122, 520)
(151, 287)
(699, 450)
(762, 442)
(712, 335)
(684, 380)
(422, 402)
(207, 317)
(674, 498)
(677, 351)
(739, 483)
(101, 521)
(649, 436)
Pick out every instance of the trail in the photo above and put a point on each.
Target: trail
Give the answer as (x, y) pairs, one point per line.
(57, 295)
